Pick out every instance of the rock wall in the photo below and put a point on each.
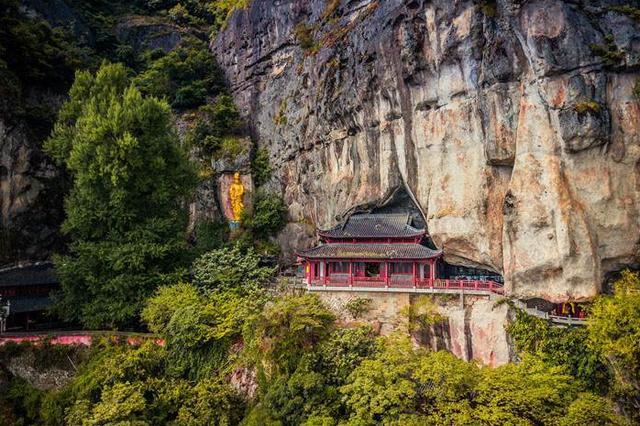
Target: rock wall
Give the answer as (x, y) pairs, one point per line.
(514, 125)
(31, 192)
(472, 329)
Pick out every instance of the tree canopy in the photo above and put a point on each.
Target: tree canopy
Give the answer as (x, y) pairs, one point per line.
(124, 214)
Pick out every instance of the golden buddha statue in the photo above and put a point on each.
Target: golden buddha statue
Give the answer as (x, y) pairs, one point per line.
(236, 195)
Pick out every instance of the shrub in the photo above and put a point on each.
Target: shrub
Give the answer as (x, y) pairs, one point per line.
(210, 235)
(630, 11)
(304, 35)
(260, 168)
(608, 52)
(290, 327)
(280, 118)
(614, 330)
(232, 147)
(165, 302)
(560, 347)
(230, 268)
(422, 313)
(588, 106)
(269, 215)
(215, 123)
(358, 306)
(185, 76)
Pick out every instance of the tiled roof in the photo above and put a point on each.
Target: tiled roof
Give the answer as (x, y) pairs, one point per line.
(374, 226)
(370, 251)
(33, 274)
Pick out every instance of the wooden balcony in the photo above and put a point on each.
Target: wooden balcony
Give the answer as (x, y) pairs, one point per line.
(403, 283)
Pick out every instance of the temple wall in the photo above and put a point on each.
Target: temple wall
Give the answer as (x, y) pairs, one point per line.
(473, 329)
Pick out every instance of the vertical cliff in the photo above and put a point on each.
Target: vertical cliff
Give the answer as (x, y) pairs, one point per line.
(514, 125)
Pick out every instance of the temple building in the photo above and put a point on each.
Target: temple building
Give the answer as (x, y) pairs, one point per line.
(27, 288)
(389, 251)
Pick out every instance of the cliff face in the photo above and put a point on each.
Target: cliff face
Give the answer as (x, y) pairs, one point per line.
(513, 124)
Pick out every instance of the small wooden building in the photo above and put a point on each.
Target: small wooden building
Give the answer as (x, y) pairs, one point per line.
(370, 251)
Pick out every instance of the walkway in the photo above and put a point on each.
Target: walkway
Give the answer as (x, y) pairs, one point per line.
(78, 337)
(556, 319)
(444, 286)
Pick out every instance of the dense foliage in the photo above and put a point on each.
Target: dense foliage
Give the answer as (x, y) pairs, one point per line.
(615, 332)
(185, 76)
(256, 359)
(32, 55)
(124, 214)
(214, 124)
(230, 268)
(269, 215)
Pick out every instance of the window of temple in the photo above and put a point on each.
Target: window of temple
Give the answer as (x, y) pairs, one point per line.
(339, 267)
(401, 268)
(372, 269)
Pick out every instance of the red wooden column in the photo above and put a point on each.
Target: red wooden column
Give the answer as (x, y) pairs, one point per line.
(386, 274)
(414, 273)
(326, 271)
(350, 274)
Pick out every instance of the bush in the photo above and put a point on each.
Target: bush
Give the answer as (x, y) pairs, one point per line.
(231, 269)
(588, 106)
(210, 235)
(609, 53)
(566, 347)
(290, 327)
(614, 331)
(304, 34)
(166, 301)
(260, 168)
(269, 215)
(216, 123)
(185, 76)
(358, 306)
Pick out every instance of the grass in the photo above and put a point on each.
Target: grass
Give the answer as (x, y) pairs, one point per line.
(608, 52)
(588, 106)
(630, 11)
(281, 119)
(306, 39)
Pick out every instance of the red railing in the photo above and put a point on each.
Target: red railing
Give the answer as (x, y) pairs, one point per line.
(407, 282)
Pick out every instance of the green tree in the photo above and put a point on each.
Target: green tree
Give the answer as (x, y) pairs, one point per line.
(530, 392)
(381, 388)
(590, 409)
(289, 327)
(568, 347)
(124, 214)
(230, 268)
(312, 391)
(614, 330)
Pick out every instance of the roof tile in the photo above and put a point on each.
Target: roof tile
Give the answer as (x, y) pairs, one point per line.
(374, 226)
(370, 251)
